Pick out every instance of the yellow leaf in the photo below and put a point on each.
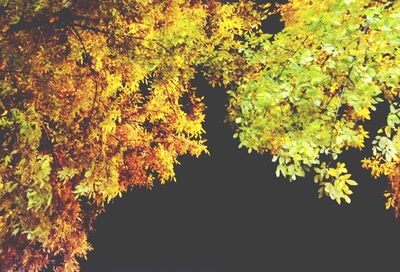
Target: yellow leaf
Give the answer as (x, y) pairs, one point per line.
(387, 131)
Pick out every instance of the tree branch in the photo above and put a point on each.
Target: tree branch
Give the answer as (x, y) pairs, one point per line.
(294, 53)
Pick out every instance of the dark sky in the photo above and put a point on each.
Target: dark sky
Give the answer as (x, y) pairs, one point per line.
(229, 212)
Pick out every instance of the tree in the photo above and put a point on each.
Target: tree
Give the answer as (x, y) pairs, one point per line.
(95, 99)
(318, 81)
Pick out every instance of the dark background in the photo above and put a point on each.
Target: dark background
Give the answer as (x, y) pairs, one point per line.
(229, 212)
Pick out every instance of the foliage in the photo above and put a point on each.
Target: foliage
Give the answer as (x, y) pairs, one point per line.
(318, 81)
(95, 99)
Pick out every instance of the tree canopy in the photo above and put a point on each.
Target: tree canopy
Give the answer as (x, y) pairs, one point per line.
(96, 98)
(319, 80)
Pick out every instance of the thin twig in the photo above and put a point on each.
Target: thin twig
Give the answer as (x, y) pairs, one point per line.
(294, 53)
